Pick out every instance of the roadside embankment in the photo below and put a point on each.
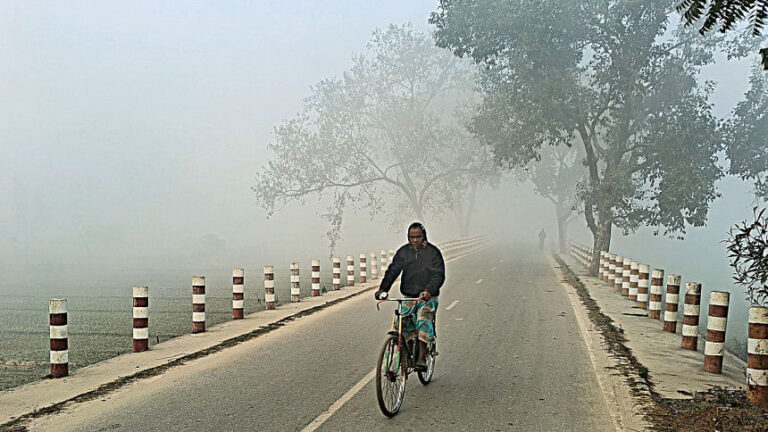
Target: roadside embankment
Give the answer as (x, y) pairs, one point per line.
(671, 389)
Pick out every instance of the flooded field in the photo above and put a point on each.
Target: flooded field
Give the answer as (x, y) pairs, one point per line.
(100, 321)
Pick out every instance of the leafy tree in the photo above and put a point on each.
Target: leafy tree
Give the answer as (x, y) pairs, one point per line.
(610, 76)
(388, 137)
(556, 177)
(723, 15)
(748, 135)
(748, 252)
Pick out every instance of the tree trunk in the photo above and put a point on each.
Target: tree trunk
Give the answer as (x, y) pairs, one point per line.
(465, 227)
(562, 233)
(602, 242)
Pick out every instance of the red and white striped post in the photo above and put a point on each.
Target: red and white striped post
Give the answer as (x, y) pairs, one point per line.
(350, 270)
(295, 286)
(269, 287)
(383, 262)
(716, 324)
(140, 318)
(363, 268)
(634, 278)
(238, 293)
(610, 273)
(625, 276)
(315, 278)
(691, 315)
(198, 304)
(671, 302)
(642, 286)
(374, 267)
(390, 257)
(336, 273)
(601, 266)
(757, 356)
(57, 320)
(618, 275)
(654, 306)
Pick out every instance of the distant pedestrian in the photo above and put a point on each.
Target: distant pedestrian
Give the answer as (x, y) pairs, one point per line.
(542, 236)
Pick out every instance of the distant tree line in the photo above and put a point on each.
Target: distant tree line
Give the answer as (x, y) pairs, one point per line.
(599, 103)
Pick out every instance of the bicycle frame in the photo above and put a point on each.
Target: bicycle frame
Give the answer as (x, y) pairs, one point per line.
(397, 326)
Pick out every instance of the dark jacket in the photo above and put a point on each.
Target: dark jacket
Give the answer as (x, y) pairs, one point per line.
(422, 269)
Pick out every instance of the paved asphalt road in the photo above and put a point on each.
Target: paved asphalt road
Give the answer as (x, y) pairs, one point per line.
(511, 358)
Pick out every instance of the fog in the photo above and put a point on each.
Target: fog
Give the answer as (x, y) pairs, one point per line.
(132, 132)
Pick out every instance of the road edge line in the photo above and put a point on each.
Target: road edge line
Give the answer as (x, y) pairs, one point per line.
(626, 419)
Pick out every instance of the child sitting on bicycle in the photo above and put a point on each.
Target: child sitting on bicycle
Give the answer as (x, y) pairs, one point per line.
(423, 273)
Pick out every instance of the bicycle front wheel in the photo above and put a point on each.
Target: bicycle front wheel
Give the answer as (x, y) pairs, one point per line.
(390, 377)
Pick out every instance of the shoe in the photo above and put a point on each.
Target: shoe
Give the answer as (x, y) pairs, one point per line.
(420, 366)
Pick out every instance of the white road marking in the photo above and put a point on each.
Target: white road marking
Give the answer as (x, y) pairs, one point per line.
(478, 281)
(455, 302)
(493, 268)
(339, 403)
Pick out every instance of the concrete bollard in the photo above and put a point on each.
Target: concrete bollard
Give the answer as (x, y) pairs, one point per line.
(238, 294)
(383, 262)
(363, 268)
(140, 318)
(198, 304)
(611, 269)
(642, 285)
(374, 267)
(625, 276)
(269, 287)
(601, 265)
(295, 287)
(350, 270)
(618, 275)
(691, 315)
(654, 305)
(315, 278)
(716, 323)
(57, 320)
(671, 302)
(634, 278)
(757, 356)
(336, 273)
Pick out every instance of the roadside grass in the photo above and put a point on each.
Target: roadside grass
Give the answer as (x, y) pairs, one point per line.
(717, 409)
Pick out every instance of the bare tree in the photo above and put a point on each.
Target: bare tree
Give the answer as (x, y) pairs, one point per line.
(388, 137)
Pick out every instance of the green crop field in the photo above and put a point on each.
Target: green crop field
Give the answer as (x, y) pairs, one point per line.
(100, 326)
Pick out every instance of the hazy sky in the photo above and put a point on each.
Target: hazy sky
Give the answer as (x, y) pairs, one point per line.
(131, 131)
(140, 125)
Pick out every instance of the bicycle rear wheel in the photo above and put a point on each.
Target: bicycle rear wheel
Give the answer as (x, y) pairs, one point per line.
(426, 376)
(390, 377)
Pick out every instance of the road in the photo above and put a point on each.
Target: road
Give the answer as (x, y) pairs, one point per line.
(511, 358)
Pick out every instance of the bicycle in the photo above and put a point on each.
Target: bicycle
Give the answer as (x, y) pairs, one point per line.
(393, 368)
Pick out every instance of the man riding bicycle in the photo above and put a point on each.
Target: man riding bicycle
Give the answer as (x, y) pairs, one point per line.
(423, 271)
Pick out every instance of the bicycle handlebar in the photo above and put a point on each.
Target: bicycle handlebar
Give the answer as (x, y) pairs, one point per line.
(398, 299)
